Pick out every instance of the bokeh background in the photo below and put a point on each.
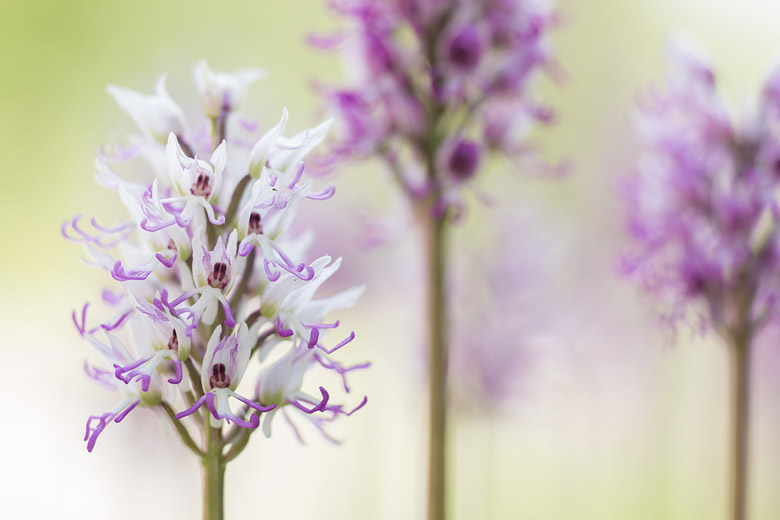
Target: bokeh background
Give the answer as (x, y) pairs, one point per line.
(612, 419)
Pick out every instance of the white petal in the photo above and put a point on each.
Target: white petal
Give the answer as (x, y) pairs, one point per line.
(284, 218)
(174, 153)
(156, 116)
(267, 422)
(199, 274)
(108, 178)
(209, 88)
(283, 157)
(219, 158)
(315, 310)
(242, 355)
(260, 150)
(274, 379)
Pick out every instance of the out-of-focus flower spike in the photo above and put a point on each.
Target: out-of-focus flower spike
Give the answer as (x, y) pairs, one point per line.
(466, 58)
(688, 64)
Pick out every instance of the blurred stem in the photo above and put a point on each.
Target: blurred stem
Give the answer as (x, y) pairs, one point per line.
(435, 226)
(740, 348)
(436, 244)
(194, 377)
(238, 292)
(237, 194)
(213, 475)
(218, 127)
(261, 339)
(211, 235)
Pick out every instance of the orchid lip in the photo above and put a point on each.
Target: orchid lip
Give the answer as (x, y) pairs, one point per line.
(173, 343)
(202, 186)
(255, 226)
(218, 277)
(218, 377)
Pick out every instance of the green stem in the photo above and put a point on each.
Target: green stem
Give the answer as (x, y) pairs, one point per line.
(213, 476)
(236, 200)
(238, 292)
(740, 420)
(252, 318)
(194, 376)
(261, 339)
(211, 235)
(218, 127)
(436, 241)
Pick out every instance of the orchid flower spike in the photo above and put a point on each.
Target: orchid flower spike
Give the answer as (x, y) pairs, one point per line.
(205, 271)
(435, 85)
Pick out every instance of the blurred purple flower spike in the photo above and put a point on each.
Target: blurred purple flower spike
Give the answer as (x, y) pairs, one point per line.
(433, 68)
(701, 209)
(435, 87)
(703, 218)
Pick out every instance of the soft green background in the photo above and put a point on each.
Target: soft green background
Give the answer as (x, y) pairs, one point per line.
(618, 424)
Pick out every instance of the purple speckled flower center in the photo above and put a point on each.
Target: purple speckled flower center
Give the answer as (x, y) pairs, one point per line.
(173, 342)
(219, 377)
(463, 160)
(255, 226)
(218, 277)
(202, 186)
(465, 49)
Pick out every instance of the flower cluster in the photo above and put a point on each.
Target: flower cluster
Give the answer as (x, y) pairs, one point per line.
(702, 204)
(438, 84)
(207, 277)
